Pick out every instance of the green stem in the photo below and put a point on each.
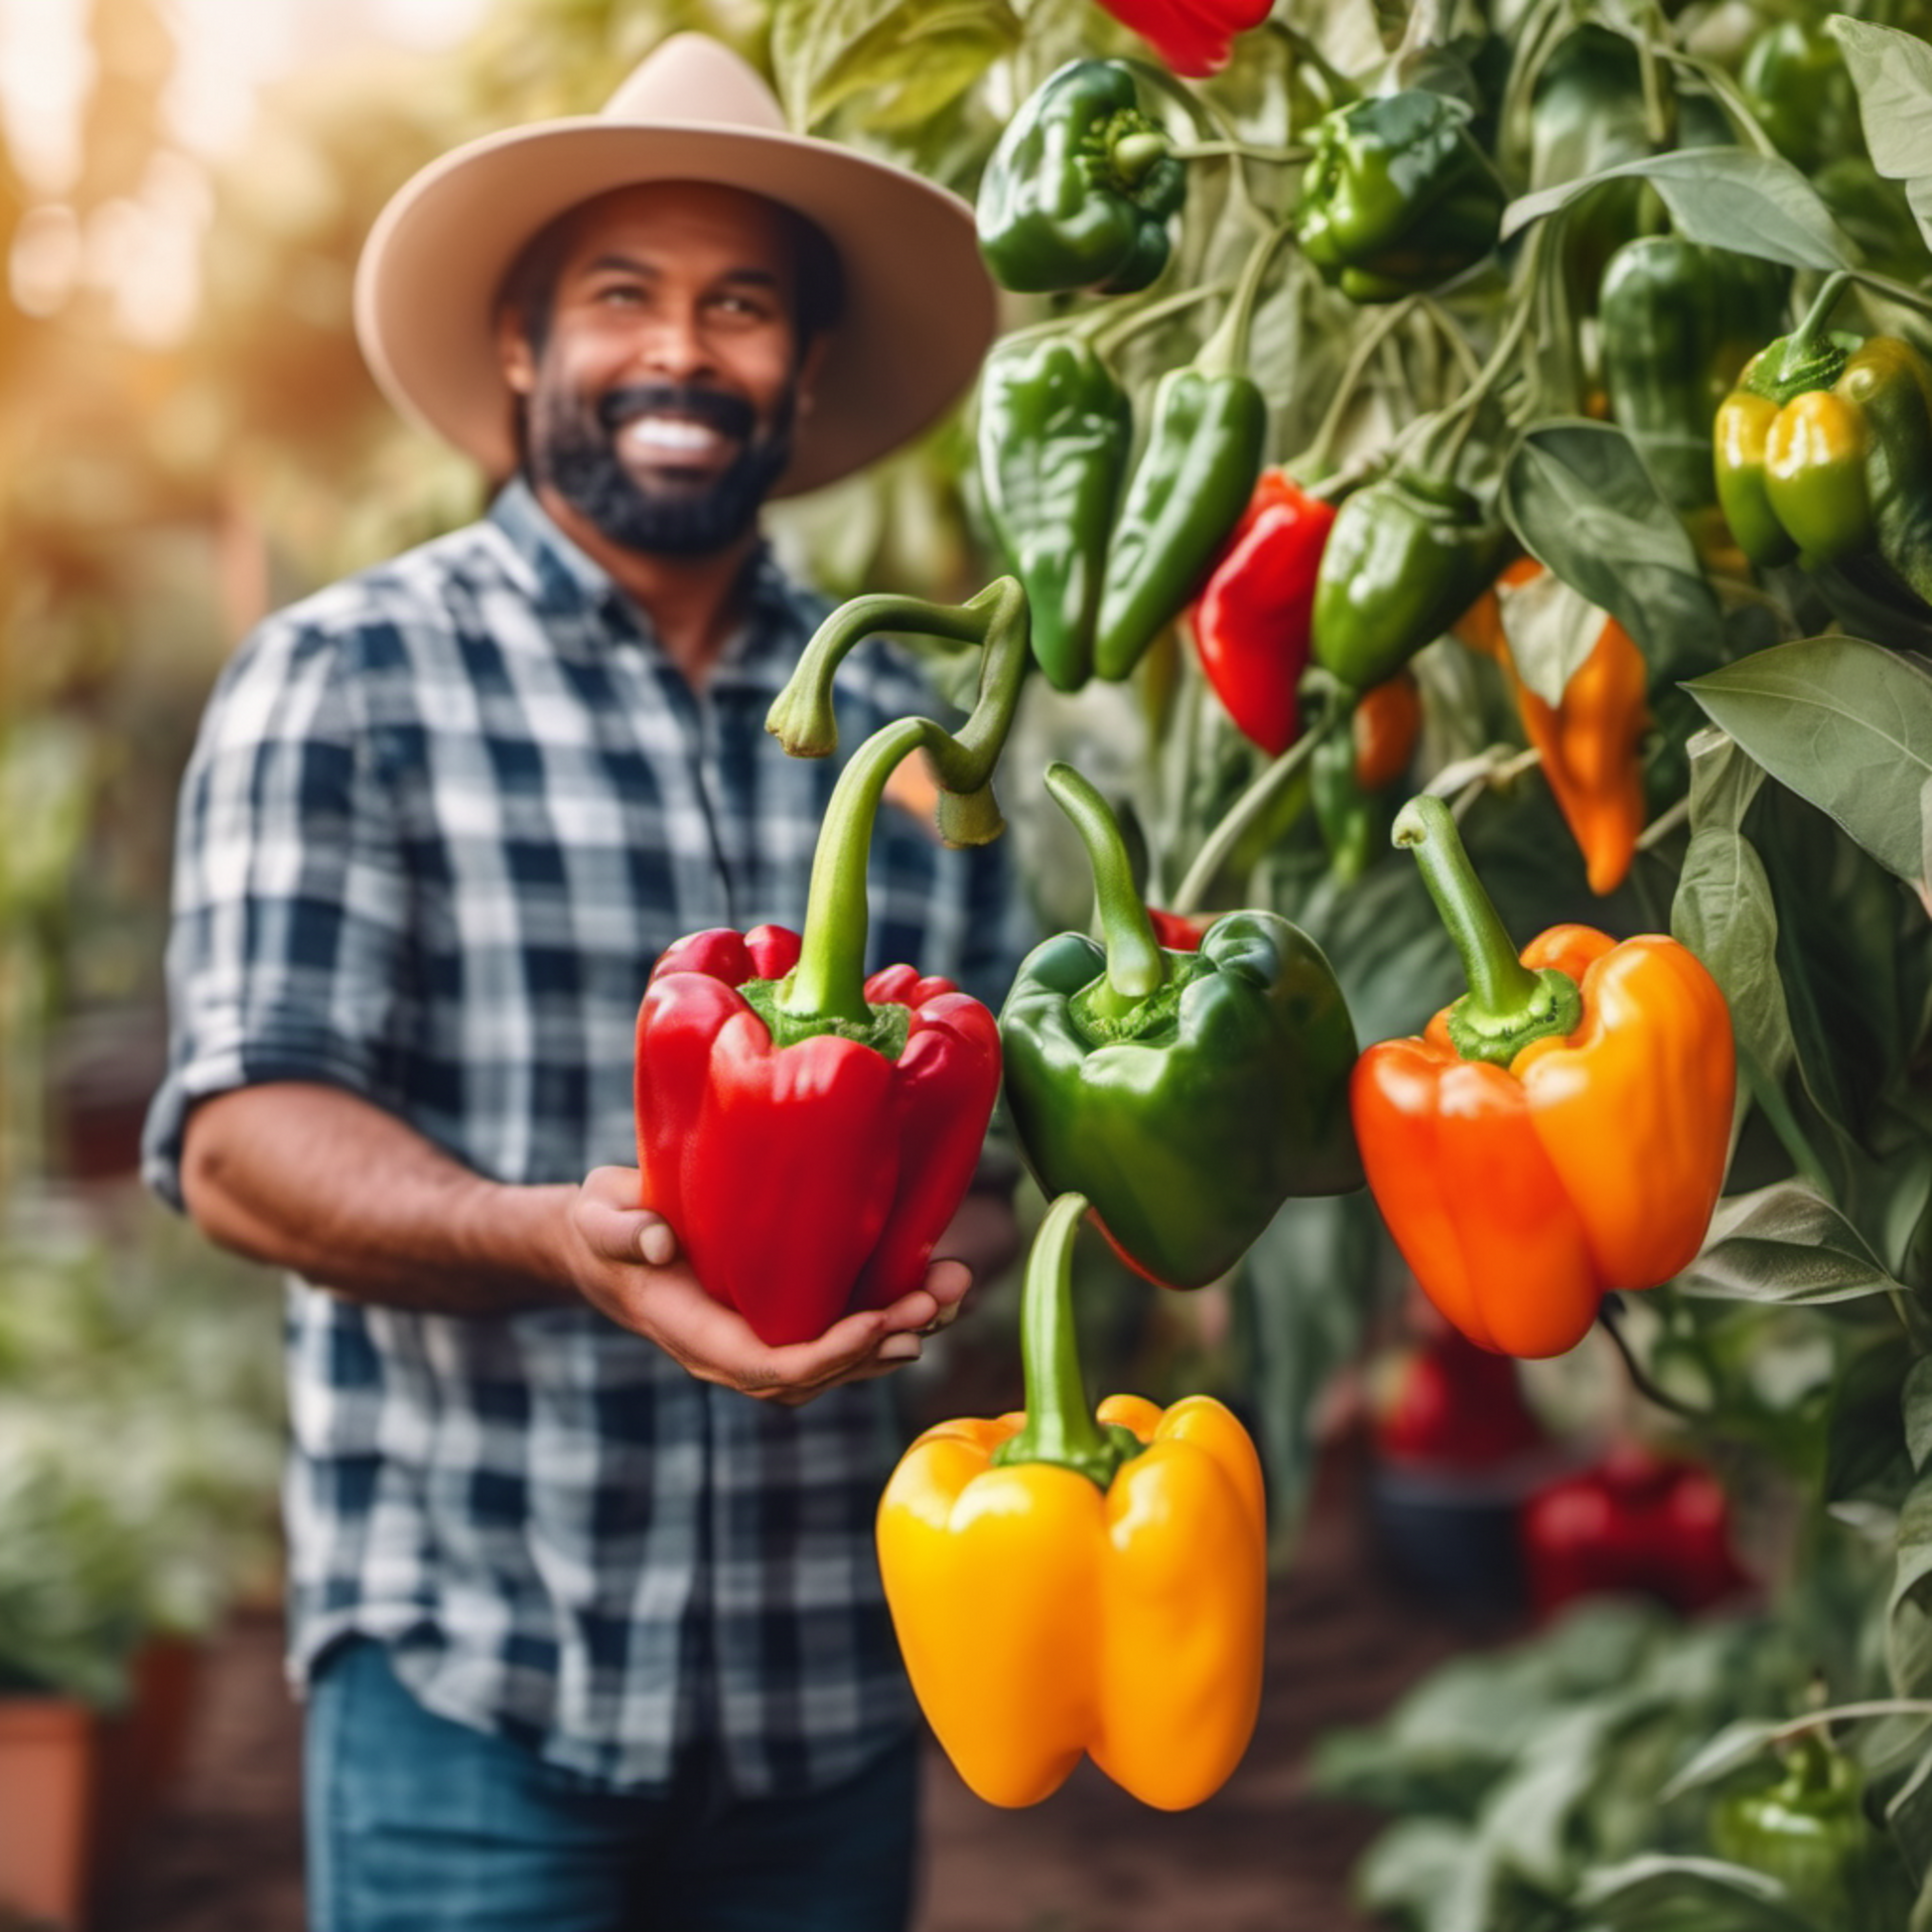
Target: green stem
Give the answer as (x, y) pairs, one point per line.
(1136, 964)
(1900, 292)
(1317, 456)
(1225, 352)
(1341, 88)
(1060, 1427)
(1453, 427)
(1801, 347)
(1610, 1313)
(1507, 1005)
(828, 982)
(1107, 327)
(1273, 780)
(1286, 157)
(1769, 1098)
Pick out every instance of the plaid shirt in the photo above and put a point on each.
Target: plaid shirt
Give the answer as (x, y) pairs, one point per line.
(440, 821)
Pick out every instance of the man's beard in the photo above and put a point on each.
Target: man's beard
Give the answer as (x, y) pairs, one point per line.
(575, 453)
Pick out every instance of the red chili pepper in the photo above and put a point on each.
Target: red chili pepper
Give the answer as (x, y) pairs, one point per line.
(1194, 36)
(1635, 1523)
(1251, 621)
(810, 1180)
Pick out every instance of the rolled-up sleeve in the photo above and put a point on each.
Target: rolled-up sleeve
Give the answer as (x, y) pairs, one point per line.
(286, 947)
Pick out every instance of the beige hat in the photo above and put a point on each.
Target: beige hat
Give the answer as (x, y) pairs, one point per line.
(918, 306)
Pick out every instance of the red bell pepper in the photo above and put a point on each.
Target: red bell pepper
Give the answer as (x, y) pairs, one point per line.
(1446, 1404)
(1194, 36)
(807, 1130)
(1635, 1523)
(1251, 621)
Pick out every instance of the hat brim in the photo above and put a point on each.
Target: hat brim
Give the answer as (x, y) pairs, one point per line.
(920, 308)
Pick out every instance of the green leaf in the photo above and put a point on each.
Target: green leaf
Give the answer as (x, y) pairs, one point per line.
(1918, 1411)
(1724, 913)
(1577, 495)
(1752, 204)
(1738, 1742)
(1892, 72)
(1440, 1874)
(1846, 726)
(1550, 630)
(1865, 1442)
(1909, 1629)
(1723, 782)
(1908, 1817)
(915, 56)
(1785, 1244)
(1627, 1894)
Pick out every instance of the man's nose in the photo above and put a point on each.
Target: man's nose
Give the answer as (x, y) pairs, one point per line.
(674, 343)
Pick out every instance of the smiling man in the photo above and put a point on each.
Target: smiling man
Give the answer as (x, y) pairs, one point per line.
(582, 1586)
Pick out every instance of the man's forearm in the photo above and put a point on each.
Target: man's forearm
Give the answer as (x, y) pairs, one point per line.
(311, 1178)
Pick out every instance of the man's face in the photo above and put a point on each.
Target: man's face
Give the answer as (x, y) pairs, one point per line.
(660, 404)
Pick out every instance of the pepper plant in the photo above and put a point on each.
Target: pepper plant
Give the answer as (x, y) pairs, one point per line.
(1466, 363)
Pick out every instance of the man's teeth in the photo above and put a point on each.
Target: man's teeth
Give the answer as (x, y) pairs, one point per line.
(671, 435)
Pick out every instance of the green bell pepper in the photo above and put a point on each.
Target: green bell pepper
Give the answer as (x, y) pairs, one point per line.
(1679, 321)
(1054, 429)
(1408, 555)
(1809, 1832)
(1078, 190)
(1795, 82)
(1397, 196)
(1185, 1094)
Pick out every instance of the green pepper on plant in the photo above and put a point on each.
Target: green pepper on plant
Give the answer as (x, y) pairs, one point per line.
(1679, 320)
(1079, 190)
(1206, 433)
(1397, 196)
(1054, 429)
(1824, 451)
(1185, 1093)
(1809, 1832)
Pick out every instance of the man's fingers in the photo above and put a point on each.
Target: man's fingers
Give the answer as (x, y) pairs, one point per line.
(656, 1243)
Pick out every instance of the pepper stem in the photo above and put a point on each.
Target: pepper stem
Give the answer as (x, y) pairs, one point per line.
(1802, 343)
(1225, 352)
(1136, 964)
(1060, 1427)
(1507, 1005)
(828, 982)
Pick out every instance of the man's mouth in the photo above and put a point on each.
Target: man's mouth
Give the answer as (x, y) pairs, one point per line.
(676, 441)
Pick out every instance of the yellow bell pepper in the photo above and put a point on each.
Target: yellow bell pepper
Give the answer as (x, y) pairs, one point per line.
(1064, 1581)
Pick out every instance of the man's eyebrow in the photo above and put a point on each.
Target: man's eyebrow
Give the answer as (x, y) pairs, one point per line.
(631, 265)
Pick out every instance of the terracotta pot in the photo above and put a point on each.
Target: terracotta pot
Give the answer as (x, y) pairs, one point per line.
(47, 1761)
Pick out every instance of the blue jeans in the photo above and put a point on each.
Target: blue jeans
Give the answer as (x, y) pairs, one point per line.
(418, 1824)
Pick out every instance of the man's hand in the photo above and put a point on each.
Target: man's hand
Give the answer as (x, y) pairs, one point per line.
(625, 1262)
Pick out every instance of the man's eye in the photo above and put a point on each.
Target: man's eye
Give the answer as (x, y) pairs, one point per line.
(622, 294)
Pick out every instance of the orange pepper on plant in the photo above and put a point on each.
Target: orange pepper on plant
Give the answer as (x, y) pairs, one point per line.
(1561, 1131)
(1067, 1582)
(1590, 740)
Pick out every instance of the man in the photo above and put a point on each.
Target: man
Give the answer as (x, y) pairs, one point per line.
(582, 1593)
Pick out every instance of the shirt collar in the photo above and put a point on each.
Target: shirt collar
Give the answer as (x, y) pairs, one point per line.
(779, 615)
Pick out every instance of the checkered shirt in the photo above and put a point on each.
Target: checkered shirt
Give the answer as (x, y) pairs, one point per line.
(440, 820)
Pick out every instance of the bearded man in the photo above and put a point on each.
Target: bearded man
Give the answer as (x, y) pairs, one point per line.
(582, 1593)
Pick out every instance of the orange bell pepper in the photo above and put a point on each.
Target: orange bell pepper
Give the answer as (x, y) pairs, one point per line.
(1064, 1581)
(1559, 1132)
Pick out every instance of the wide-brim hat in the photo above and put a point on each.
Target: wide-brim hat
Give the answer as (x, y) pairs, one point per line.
(918, 311)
